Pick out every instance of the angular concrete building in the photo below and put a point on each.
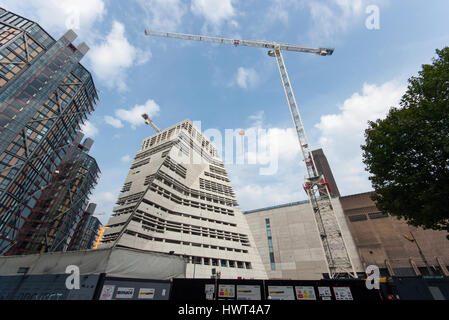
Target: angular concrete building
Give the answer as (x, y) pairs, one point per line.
(178, 199)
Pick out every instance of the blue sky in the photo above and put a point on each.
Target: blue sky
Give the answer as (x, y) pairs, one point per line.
(232, 88)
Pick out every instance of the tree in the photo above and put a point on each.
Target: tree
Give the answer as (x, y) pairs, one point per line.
(407, 153)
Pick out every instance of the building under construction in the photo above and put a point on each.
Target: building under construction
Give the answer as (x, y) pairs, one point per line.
(45, 95)
(61, 220)
(87, 231)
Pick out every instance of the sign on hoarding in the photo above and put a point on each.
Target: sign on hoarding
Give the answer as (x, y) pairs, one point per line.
(325, 293)
(124, 293)
(305, 293)
(226, 291)
(281, 293)
(343, 293)
(146, 293)
(107, 292)
(248, 293)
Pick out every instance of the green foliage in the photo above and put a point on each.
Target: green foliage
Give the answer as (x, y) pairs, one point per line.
(407, 154)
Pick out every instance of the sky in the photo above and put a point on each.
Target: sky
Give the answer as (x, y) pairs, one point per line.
(379, 45)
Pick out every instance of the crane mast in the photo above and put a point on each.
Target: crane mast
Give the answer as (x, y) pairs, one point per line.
(338, 260)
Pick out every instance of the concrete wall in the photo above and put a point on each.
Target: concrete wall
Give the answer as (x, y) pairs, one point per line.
(380, 238)
(298, 250)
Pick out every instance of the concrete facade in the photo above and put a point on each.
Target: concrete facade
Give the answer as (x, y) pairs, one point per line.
(372, 238)
(387, 242)
(178, 199)
(297, 247)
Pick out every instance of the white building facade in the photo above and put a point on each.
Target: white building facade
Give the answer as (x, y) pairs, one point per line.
(178, 199)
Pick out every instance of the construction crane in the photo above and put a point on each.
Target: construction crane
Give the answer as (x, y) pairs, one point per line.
(150, 122)
(317, 188)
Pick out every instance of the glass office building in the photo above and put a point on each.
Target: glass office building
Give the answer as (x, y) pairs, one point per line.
(59, 217)
(86, 233)
(45, 95)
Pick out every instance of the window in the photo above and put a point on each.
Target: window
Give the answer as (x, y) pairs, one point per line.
(187, 259)
(224, 263)
(127, 187)
(270, 244)
(378, 215)
(360, 217)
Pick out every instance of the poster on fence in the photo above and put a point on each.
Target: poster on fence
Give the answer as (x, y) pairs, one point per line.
(281, 293)
(124, 293)
(248, 292)
(343, 293)
(146, 293)
(325, 293)
(209, 290)
(305, 293)
(107, 292)
(226, 291)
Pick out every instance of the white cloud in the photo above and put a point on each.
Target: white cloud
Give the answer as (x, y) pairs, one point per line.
(105, 201)
(125, 159)
(253, 188)
(116, 123)
(254, 196)
(258, 119)
(215, 12)
(163, 15)
(329, 17)
(111, 58)
(102, 197)
(284, 140)
(134, 116)
(246, 78)
(58, 16)
(89, 129)
(279, 10)
(342, 134)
